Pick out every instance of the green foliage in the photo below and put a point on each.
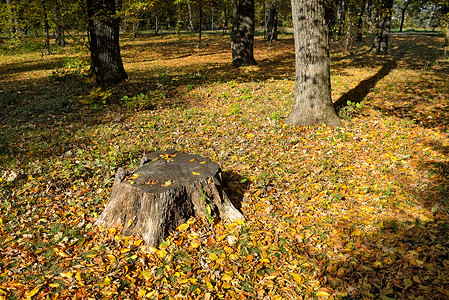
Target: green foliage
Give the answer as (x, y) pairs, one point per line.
(351, 109)
(96, 97)
(143, 101)
(207, 208)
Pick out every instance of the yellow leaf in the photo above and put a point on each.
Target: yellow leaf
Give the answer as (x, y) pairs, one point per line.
(195, 244)
(155, 159)
(203, 162)
(107, 281)
(239, 222)
(226, 285)
(192, 160)
(407, 283)
(150, 294)
(134, 176)
(356, 232)
(195, 173)
(209, 285)
(416, 279)
(322, 294)
(183, 227)
(130, 222)
(226, 277)
(125, 250)
(161, 253)
(377, 264)
(146, 274)
(138, 242)
(68, 275)
(265, 261)
(297, 278)
(54, 285)
(233, 257)
(213, 257)
(141, 293)
(168, 183)
(78, 276)
(193, 280)
(221, 237)
(33, 292)
(111, 258)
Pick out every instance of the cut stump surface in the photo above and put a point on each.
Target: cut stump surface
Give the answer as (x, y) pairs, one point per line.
(166, 190)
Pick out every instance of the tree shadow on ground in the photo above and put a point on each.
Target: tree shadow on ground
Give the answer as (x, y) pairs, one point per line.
(422, 102)
(235, 186)
(358, 94)
(408, 256)
(28, 66)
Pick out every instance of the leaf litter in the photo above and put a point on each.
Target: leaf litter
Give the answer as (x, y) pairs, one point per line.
(331, 213)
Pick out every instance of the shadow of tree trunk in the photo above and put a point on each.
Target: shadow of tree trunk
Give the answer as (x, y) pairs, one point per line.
(357, 94)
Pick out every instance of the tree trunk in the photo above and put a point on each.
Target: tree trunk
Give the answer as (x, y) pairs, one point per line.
(11, 19)
(402, 19)
(136, 23)
(106, 62)
(190, 17)
(271, 20)
(156, 21)
(212, 19)
(200, 27)
(46, 28)
(447, 32)
(165, 191)
(313, 102)
(359, 37)
(226, 20)
(59, 30)
(403, 10)
(383, 31)
(242, 36)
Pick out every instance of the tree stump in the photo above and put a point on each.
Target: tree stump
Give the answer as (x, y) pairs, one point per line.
(165, 191)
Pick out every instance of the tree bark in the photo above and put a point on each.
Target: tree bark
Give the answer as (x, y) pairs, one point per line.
(11, 18)
(384, 25)
(359, 37)
(313, 102)
(447, 32)
(403, 11)
(106, 61)
(165, 191)
(46, 28)
(242, 36)
(271, 21)
(59, 30)
(200, 23)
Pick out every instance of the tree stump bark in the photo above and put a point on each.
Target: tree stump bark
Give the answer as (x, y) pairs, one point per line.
(165, 191)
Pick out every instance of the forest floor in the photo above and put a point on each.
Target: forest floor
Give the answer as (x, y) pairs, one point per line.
(357, 212)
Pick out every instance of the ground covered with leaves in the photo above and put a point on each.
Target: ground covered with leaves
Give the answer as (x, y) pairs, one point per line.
(356, 212)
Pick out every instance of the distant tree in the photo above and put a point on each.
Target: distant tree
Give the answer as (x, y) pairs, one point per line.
(46, 27)
(313, 102)
(242, 36)
(403, 5)
(383, 26)
(271, 16)
(59, 28)
(103, 24)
